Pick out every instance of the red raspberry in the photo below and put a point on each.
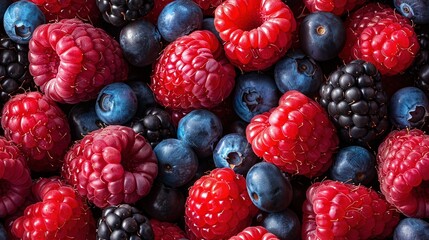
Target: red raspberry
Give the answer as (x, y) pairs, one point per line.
(208, 6)
(192, 72)
(60, 213)
(39, 128)
(111, 165)
(55, 10)
(297, 136)
(337, 7)
(15, 179)
(71, 61)
(166, 230)
(257, 33)
(218, 205)
(254, 233)
(403, 171)
(377, 34)
(337, 210)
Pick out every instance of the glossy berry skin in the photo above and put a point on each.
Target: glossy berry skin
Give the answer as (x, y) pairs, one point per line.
(208, 24)
(297, 71)
(401, 167)
(268, 188)
(119, 13)
(177, 162)
(218, 205)
(285, 224)
(179, 18)
(255, 36)
(253, 233)
(411, 228)
(110, 166)
(116, 104)
(409, 108)
(322, 35)
(235, 152)
(337, 7)
(354, 164)
(166, 230)
(54, 10)
(144, 94)
(254, 94)
(83, 119)
(201, 130)
(329, 212)
(21, 19)
(141, 42)
(415, 10)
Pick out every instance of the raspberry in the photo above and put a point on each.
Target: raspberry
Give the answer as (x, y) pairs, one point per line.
(15, 179)
(208, 6)
(111, 165)
(166, 230)
(218, 205)
(71, 61)
(254, 233)
(337, 210)
(55, 10)
(375, 33)
(403, 171)
(297, 136)
(256, 33)
(192, 73)
(60, 213)
(337, 7)
(39, 128)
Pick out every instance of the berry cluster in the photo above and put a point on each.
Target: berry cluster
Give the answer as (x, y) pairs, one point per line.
(214, 119)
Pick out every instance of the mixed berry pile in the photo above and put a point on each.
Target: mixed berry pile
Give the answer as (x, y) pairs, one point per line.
(214, 119)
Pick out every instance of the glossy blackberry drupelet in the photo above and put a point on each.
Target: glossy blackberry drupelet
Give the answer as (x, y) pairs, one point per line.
(14, 75)
(123, 222)
(120, 12)
(356, 102)
(155, 125)
(420, 67)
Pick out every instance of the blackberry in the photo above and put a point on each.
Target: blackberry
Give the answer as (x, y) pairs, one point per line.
(120, 12)
(155, 125)
(355, 100)
(14, 75)
(420, 68)
(123, 222)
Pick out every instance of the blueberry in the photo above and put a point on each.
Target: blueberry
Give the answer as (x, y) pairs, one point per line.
(296, 71)
(354, 164)
(83, 119)
(408, 108)
(140, 42)
(116, 103)
(3, 233)
(177, 162)
(234, 151)
(200, 129)
(254, 93)
(285, 224)
(208, 24)
(322, 35)
(144, 94)
(21, 19)
(238, 126)
(179, 18)
(268, 188)
(416, 10)
(411, 229)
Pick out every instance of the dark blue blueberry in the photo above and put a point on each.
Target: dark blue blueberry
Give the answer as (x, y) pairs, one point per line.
(408, 108)
(254, 93)
(163, 203)
(140, 42)
(411, 229)
(21, 19)
(416, 10)
(208, 24)
(177, 162)
(116, 103)
(200, 129)
(144, 94)
(268, 188)
(3, 233)
(322, 35)
(238, 126)
(234, 151)
(354, 164)
(83, 119)
(4, 4)
(285, 224)
(179, 18)
(296, 71)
